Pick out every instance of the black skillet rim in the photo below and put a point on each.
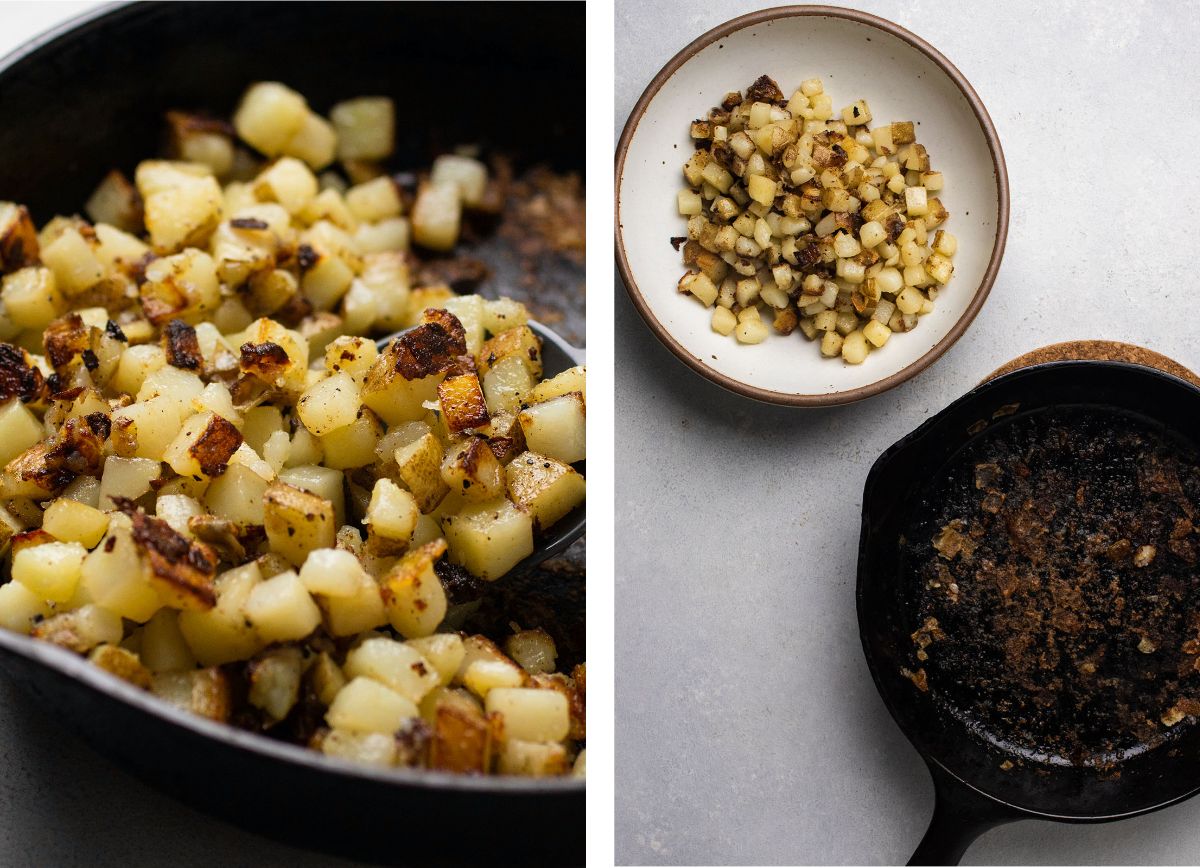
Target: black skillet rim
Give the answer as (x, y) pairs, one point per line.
(978, 393)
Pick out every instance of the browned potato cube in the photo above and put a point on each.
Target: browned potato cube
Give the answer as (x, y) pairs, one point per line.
(463, 406)
(297, 521)
(521, 342)
(18, 238)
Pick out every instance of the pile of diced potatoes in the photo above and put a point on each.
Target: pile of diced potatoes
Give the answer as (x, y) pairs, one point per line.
(216, 486)
(812, 219)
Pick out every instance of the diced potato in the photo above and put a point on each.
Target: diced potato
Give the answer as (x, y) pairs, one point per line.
(164, 648)
(444, 651)
(463, 737)
(206, 692)
(533, 650)
(137, 363)
(237, 495)
(269, 116)
(489, 539)
(315, 142)
(19, 430)
(521, 342)
(392, 513)
(462, 403)
(183, 286)
(364, 748)
(332, 572)
(397, 665)
(289, 182)
(420, 467)
(122, 663)
(375, 200)
(281, 609)
(571, 380)
(471, 469)
(127, 477)
(530, 714)
(365, 128)
(324, 482)
(437, 215)
(81, 629)
(557, 428)
(20, 608)
(326, 678)
(469, 309)
(532, 759)
(351, 355)
(74, 263)
(413, 594)
(51, 570)
(349, 616)
(72, 521)
(365, 705)
(222, 634)
(469, 175)
(484, 676)
(275, 682)
(507, 386)
(546, 488)
(204, 446)
(330, 404)
(116, 578)
(18, 238)
(297, 522)
(184, 214)
(31, 297)
(353, 445)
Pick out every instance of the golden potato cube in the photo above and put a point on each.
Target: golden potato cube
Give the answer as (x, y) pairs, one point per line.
(413, 593)
(375, 200)
(269, 116)
(31, 297)
(237, 495)
(183, 215)
(315, 142)
(462, 402)
(532, 759)
(351, 355)
(557, 428)
(116, 578)
(281, 609)
(394, 664)
(184, 285)
(297, 522)
(533, 650)
(20, 608)
(204, 446)
(366, 128)
(489, 539)
(122, 663)
(72, 521)
(546, 488)
(324, 482)
(74, 263)
(388, 235)
(288, 182)
(349, 616)
(222, 634)
(332, 572)
(437, 216)
(19, 430)
(484, 676)
(365, 705)
(420, 466)
(462, 736)
(570, 380)
(472, 470)
(146, 428)
(530, 714)
(507, 386)
(353, 445)
(18, 238)
(521, 342)
(51, 570)
(392, 512)
(329, 404)
(444, 651)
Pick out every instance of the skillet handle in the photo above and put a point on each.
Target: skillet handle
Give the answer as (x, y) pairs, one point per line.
(960, 815)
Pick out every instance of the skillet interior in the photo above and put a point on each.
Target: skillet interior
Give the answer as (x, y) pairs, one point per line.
(887, 613)
(91, 96)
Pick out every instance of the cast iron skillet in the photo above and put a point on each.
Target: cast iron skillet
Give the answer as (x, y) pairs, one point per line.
(973, 794)
(91, 96)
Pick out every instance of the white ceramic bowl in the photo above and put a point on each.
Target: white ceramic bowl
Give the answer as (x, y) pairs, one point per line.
(858, 56)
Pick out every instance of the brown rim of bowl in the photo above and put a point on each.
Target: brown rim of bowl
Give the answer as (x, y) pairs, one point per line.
(998, 166)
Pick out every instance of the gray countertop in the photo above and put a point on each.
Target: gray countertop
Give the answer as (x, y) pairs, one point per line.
(749, 730)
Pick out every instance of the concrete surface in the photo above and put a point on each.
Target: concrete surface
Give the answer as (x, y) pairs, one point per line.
(749, 731)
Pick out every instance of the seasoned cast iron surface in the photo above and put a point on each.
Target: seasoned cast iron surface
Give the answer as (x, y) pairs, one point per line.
(1054, 563)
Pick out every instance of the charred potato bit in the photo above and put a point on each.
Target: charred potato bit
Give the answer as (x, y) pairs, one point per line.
(216, 487)
(818, 220)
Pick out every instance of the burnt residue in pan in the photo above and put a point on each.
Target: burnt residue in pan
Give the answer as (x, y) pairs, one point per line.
(1055, 563)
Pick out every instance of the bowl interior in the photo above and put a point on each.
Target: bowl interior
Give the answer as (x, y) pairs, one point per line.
(856, 59)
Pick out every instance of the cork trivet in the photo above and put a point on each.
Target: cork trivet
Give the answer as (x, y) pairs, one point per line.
(1098, 351)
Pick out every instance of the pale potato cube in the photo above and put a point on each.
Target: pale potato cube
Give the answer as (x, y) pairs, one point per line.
(288, 182)
(533, 650)
(489, 539)
(145, 429)
(269, 116)
(163, 647)
(365, 705)
(31, 297)
(297, 522)
(204, 446)
(353, 445)
(437, 216)
(364, 748)
(349, 616)
(222, 635)
(127, 477)
(351, 355)
(469, 175)
(115, 201)
(444, 651)
(392, 512)
(557, 428)
(184, 215)
(75, 265)
(546, 488)
(420, 467)
(507, 386)
(324, 482)
(82, 629)
(315, 142)
(471, 470)
(532, 759)
(365, 128)
(51, 570)
(389, 234)
(20, 608)
(571, 380)
(216, 398)
(172, 383)
(375, 200)
(530, 714)
(502, 314)
(275, 682)
(184, 285)
(237, 495)
(395, 664)
(413, 594)
(470, 312)
(329, 404)
(116, 578)
(332, 572)
(484, 676)
(259, 423)
(72, 521)
(19, 429)
(281, 609)
(137, 363)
